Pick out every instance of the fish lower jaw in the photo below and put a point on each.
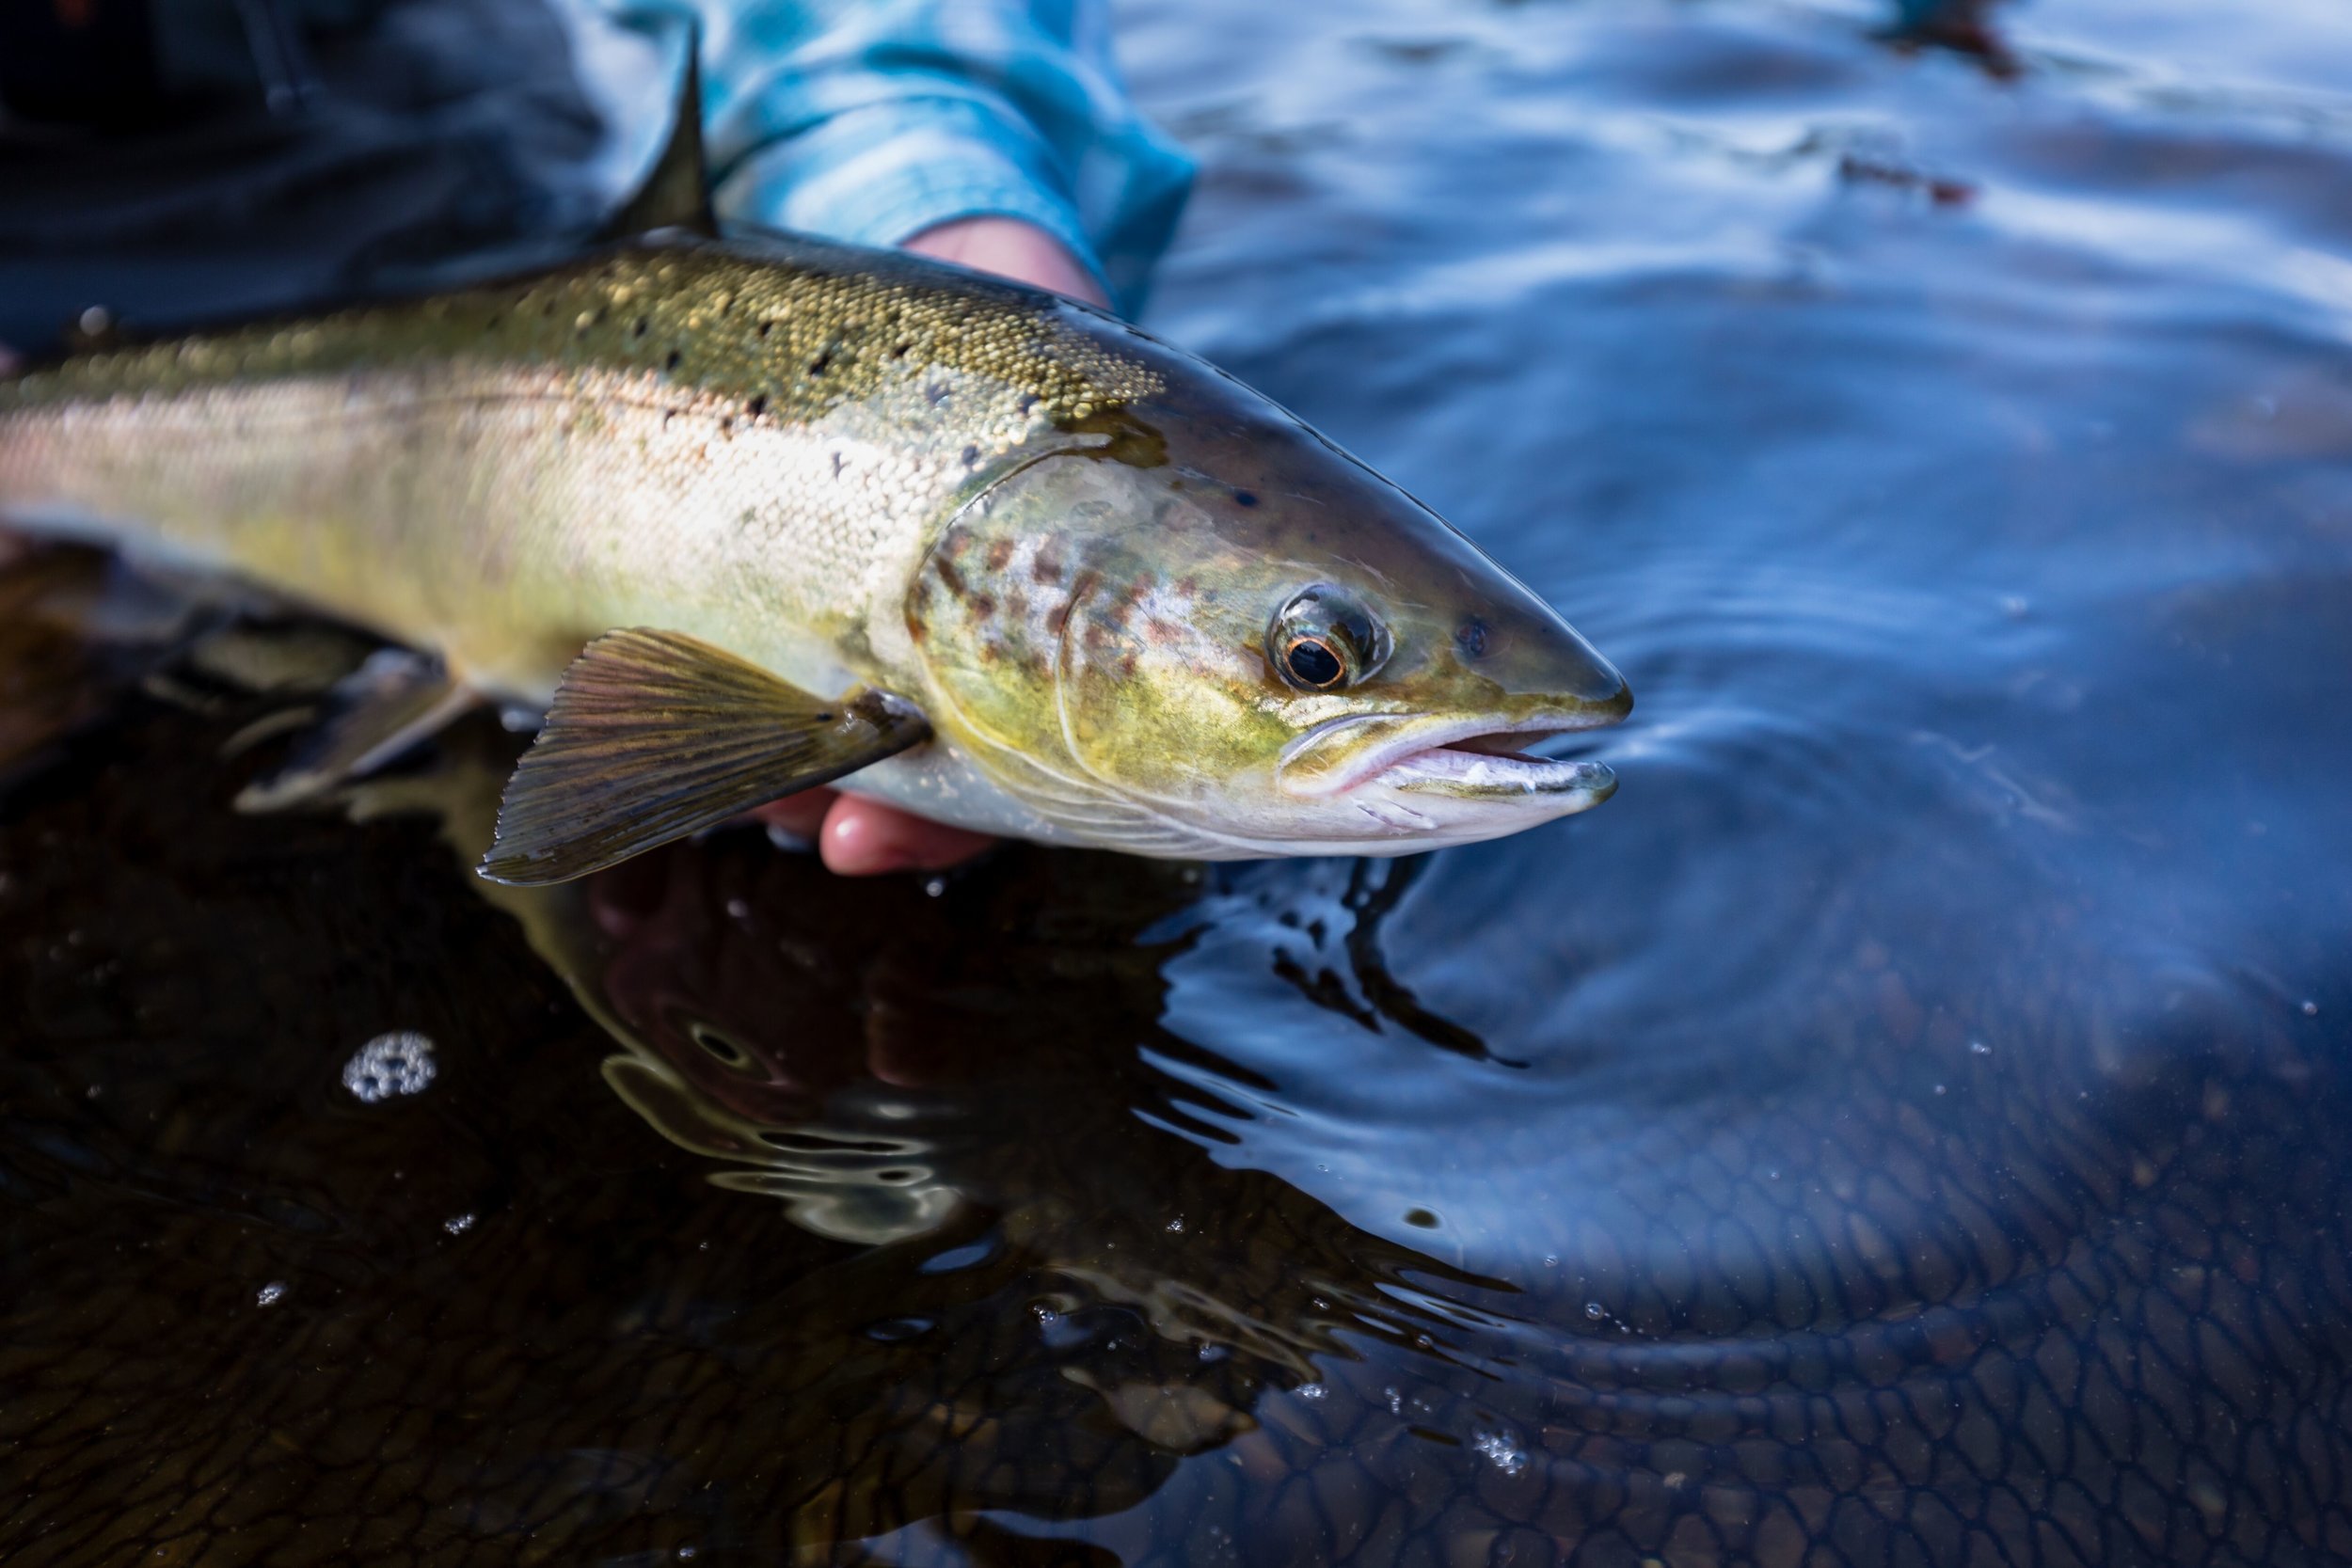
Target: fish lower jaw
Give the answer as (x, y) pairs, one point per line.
(1461, 773)
(1435, 754)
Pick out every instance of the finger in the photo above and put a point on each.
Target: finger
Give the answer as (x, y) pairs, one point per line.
(865, 838)
(800, 814)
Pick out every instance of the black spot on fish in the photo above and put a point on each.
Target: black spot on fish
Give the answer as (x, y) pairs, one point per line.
(1028, 401)
(824, 718)
(639, 330)
(837, 461)
(823, 363)
(672, 361)
(1470, 637)
(935, 391)
(765, 326)
(758, 406)
(898, 349)
(1245, 497)
(971, 457)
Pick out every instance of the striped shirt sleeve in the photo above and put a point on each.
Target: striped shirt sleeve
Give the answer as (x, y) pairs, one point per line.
(871, 120)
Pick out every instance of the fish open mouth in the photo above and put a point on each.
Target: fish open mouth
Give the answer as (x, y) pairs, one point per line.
(1466, 758)
(1497, 767)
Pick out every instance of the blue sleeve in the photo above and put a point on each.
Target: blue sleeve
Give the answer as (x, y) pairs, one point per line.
(871, 120)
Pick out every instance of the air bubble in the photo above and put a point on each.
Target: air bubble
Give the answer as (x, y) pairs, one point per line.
(270, 1294)
(400, 1063)
(1500, 1451)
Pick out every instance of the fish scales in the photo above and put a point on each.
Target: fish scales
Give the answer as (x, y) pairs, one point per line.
(506, 470)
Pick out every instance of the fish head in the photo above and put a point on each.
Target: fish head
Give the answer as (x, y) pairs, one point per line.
(1206, 632)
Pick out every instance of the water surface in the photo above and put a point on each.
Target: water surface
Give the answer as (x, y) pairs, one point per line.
(1907, 1126)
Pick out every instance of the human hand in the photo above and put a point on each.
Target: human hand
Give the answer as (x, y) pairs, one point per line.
(1010, 249)
(865, 838)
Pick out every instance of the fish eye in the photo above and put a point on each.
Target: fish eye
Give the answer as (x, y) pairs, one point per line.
(1323, 638)
(1310, 663)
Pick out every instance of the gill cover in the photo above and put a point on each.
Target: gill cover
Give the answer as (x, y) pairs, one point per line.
(1113, 618)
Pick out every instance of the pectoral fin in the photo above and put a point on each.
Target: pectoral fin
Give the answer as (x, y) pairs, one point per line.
(655, 735)
(390, 703)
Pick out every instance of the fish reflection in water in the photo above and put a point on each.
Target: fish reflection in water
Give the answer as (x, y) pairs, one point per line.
(947, 1251)
(964, 1077)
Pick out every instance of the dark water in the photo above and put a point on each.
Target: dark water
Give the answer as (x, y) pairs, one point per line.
(1908, 1126)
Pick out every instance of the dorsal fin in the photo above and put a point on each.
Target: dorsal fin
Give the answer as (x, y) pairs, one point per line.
(676, 194)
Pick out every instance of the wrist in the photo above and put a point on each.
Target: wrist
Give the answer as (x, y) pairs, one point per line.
(1010, 248)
